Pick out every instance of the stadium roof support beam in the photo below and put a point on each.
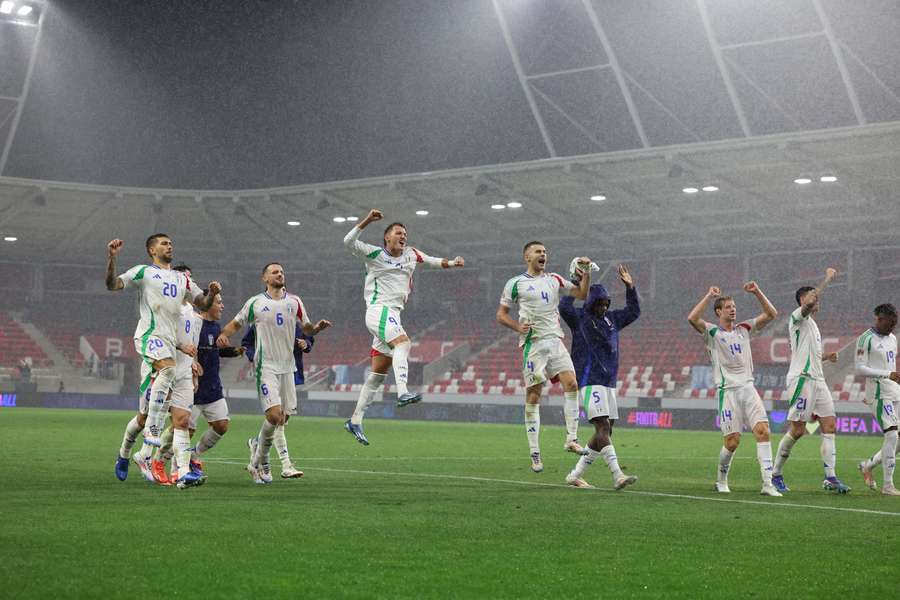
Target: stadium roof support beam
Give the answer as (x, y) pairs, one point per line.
(839, 60)
(23, 96)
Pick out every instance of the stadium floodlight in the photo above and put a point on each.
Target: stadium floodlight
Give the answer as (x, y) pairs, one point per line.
(10, 238)
(827, 178)
(353, 219)
(498, 206)
(24, 11)
(339, 219)
(294, 223)
(802, 180)
(421, 213)
(513, 205)
(690, 190)
(710, 188)
(598, 198)
(6, 7)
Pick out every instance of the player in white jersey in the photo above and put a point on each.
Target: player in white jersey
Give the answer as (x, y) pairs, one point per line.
(544, 356)
(728, 346)
(275, 313)
(806, 387)
(161, 294)
(389, 271)
(876, 360)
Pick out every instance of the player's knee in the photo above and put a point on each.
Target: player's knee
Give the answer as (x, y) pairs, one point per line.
(731, 443)
(141, 420)
(219, 427)
(166, 375)
(569, 386)
(798, 430)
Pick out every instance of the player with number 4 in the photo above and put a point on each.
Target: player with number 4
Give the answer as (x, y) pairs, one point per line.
(728, 346)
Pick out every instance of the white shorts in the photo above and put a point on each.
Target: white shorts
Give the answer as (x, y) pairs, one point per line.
(182, 393)
(384, 324)
(599, 401)
(277, 390)
(544, 359)
(808, 397)
(155, 349)
(883, 399)
(212, 412)
(740, 407)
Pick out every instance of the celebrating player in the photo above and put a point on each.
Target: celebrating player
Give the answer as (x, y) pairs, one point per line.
(161, 292)
(807, 388)
(275, 313)
(728, 346)
(876, 360)
(389, 271)
(544, 356)
(595, 352)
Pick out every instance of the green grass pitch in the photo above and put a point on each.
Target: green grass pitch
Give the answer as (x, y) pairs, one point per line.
(431, 510)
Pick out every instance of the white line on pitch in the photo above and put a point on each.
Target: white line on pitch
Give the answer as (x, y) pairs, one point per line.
(519, 459)
(562, 485)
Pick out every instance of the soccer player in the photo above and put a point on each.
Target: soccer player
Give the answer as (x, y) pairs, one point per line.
(876, 360)
(544, 356)
(304, 344)
(595, 352)
(807, 388)
(161, 293)
(728, 346)
(275, 313)
(389, 271)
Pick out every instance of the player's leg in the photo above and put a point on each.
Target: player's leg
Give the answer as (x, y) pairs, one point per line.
(796, 430)
(533, 425)
(885, 411)
(570, 410)
(730, 424)
(162, 355)
(289, 408)
(132, 430)
(381, 363)
(216, 415)
(764, 456)
(182, 406)
(269, 388)
(162, 455)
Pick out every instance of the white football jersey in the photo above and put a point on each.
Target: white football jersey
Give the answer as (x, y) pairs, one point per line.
(161, 296)
(188, 335)
(388, 278)
(876, 352)
(276, 322)
(538, 302)
(806, 347)
(730, 355)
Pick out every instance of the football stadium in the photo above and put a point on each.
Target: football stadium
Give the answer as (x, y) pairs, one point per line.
(449, 299)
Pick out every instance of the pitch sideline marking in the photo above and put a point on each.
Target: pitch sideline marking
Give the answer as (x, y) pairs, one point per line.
(562, 485)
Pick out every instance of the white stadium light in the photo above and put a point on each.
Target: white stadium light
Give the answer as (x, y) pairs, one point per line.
(24, 11)
(339, 219)
(828, 179)
(10, 238)
(6, 7)
(710, 188)
(294, 223)
(513, 205)
(598, 198)
(690, 190)
(498, 206)
(802, 180)
(353, 219)
(421, 213)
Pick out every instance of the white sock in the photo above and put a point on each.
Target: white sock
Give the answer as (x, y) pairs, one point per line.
(570, 410)
(281, 447)
(401, 366)
(158, 405)
(266, 435)
(584, 462)
(829, 453)
(131, 432)
(164, 452)
(764, 456)
(784, 452)
(888, 460)
(209, 439)
(366, 396)
(725, 456)
(609, 457)
(533, 426)
(181, 444)
(874, 461)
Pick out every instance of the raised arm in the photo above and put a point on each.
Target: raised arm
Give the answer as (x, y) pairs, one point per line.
(113, 283)
(695, 317)
(584, 284)
(813, 297)
(204, 302)
(628, 315)
(769, 313)
(442, 263)
(351, 240)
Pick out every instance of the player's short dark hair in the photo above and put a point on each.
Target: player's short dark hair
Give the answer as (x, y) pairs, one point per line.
(720, 302)
(886, 310)
(530, 244)
(274, 262)
(151, 241)
(182, 267)
(389, 227)
(802, 292)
